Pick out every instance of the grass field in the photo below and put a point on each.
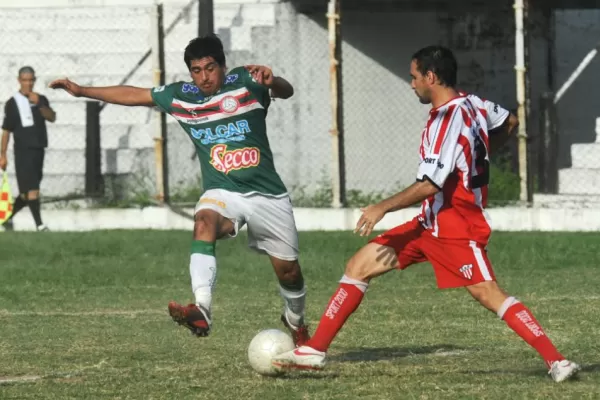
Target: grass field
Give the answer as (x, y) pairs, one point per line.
(83, 316)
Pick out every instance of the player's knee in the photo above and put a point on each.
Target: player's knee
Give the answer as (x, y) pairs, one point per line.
(488, 294)
(288, 272)
(205, 228)
(357, 268)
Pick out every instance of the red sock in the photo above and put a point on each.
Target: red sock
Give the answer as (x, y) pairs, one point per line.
(342, 304)
(521, 320)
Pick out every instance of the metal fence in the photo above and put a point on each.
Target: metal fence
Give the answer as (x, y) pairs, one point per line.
(86, 45)
(377, 114)
(566, 140)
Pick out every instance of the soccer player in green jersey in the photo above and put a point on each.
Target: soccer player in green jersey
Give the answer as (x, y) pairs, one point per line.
(223, 112)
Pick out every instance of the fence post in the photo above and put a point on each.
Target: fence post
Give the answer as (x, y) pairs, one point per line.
(521, 68)
(338, 178)
(160, 137)
(94, 185)
(205, 17)
(548, 145)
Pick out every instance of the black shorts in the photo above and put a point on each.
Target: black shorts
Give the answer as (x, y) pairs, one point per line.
(29, 164)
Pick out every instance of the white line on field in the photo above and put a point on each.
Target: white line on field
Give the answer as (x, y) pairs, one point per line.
(6, 380)
(126, 313)
(566, 297)
(19, 379)
(449, 353)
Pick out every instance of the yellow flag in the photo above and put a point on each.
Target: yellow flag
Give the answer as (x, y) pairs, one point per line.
(5, 199)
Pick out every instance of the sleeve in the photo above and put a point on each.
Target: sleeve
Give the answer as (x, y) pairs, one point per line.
(163, 96)
(261, 92)
(44, 101)
(9, 122)
(442, 152)
(496, 115)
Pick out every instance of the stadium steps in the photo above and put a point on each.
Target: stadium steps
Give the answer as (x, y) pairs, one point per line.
(86, 44)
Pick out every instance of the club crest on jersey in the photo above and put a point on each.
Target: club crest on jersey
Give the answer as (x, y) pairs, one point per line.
(229, 104)
(227, 161)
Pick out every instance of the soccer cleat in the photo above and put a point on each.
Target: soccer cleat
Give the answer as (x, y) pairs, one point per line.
(302, 358)
(195, 318)
(563, 370)
(43, 228)
(299, 334)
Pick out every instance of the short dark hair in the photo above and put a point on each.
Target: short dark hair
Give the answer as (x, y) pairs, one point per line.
(205, 46)
(26, 70)
(440, 61)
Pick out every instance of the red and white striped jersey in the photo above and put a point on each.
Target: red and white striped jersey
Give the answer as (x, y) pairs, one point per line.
(454, 157)
(493, 113)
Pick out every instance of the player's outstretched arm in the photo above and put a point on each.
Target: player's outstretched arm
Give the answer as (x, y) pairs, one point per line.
(415, 193)
(122, 95)
(499, 136)
(280, 87)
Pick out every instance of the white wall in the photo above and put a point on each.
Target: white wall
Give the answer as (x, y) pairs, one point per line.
(98, 45)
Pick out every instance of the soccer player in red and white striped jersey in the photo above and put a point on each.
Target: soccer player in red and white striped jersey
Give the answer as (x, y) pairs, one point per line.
(452, 229)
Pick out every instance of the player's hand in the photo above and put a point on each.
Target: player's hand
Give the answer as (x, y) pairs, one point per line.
(371, 215)
(3, 163)
(261, 74)
(70, 87)
(34, 98)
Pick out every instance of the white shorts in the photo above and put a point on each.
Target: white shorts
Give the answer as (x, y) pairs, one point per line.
(271, 224)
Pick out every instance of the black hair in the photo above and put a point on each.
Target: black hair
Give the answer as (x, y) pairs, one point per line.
(440, 61)
(26, 70)
(205, 46)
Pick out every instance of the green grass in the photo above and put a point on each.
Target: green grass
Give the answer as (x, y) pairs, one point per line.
(86, 312)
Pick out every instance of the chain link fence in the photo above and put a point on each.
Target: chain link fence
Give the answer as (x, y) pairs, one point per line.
(88, 46)
(382, 119)
(569, 117)
(295, 47)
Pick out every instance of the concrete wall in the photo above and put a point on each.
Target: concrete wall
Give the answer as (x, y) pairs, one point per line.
(96, 44)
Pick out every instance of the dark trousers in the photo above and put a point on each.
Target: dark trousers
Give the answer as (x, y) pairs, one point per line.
(29, 165)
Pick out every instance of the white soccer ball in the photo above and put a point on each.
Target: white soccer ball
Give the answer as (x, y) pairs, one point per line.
(264, 346)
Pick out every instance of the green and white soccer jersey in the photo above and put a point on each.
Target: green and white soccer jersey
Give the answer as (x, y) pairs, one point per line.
(229, 132)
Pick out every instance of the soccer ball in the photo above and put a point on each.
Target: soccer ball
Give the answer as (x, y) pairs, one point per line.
(264, 346)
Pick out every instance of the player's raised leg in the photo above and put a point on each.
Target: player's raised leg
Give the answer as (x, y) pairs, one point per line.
(209, 226)
(521, 320)
(370, 261)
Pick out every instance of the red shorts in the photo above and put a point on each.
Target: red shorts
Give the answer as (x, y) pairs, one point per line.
(456, 263)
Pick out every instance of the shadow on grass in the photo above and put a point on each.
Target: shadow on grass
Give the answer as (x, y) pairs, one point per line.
(590, 368)
(299, 375)
(390, 353)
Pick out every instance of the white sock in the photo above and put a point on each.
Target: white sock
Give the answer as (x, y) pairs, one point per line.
(294, 304)
(509, 302)
(362, 286)
(203, 270)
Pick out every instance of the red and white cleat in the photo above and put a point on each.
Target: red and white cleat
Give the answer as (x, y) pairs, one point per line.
(195, 318)
(299, 334)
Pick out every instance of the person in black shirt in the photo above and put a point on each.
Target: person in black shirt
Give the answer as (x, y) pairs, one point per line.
(25, 116)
